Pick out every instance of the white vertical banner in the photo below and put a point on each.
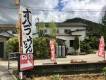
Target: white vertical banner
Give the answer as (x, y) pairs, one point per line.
(26, 21)
(26, 58)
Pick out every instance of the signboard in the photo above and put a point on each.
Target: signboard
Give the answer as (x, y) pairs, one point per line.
(53, 50)
(26, 61)
(26, 56)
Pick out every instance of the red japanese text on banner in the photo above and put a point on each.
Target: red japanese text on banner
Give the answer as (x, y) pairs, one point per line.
(26, 61)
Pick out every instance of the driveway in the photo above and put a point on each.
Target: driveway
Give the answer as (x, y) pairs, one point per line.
(4, 73)
(90, 58)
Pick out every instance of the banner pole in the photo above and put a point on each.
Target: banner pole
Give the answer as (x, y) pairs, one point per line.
(20, 44)
(104, 56)
(20, 39)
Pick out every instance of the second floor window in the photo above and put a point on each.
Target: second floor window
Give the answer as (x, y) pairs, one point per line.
(67, 31)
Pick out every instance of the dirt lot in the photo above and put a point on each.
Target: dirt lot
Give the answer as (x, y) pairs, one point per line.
(70, 77)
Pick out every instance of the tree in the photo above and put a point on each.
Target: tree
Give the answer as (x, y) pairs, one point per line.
(104, 19)
(41, 44)
(90, 44)
(12, 45)
(103, 31)
(41, 29)
(41, 47)
(53, 29)
(76, 44)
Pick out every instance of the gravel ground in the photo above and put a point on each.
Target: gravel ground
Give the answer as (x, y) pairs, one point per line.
(71, 77)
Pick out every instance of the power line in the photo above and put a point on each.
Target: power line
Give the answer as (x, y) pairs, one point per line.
(54, 10)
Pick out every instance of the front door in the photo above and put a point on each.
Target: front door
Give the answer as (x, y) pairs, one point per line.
(1, 49)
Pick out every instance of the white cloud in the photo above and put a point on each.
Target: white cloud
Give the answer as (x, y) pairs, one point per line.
(87, 9)
(3, 20)
(90, 9)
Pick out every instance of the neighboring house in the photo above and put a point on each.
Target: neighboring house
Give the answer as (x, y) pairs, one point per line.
(6, 31)
(68, 30)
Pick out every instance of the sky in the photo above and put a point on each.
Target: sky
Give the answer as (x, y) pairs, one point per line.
(54, 10)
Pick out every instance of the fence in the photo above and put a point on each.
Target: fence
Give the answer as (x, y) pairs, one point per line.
(11, 57)
(67, 69)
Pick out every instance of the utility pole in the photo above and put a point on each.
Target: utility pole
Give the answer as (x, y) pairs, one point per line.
(18, 26)
(17, 2)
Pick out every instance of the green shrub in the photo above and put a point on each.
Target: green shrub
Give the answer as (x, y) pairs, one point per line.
(12, 45)
(76, 44)
(85, 47)
(89, 44)
(41, 47)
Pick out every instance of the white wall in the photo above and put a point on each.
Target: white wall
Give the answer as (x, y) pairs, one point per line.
(62, 35)
(82, 33)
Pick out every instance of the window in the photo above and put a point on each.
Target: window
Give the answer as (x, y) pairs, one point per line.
(71, 43)
(67, 31)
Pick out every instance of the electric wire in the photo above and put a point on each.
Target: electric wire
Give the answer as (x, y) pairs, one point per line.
(52, 10)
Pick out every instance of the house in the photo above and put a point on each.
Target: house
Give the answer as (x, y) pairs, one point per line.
(6, 31)
(67, 31)
(76, 27)
(79, 27)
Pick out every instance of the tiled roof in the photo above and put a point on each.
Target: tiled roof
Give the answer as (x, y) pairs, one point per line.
(4, 27)
(71, 24)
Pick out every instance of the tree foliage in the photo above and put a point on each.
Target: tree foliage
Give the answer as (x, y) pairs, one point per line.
(76, 43)
(53, 29)
(89, 44)
(41, 29)
(12, 45)
(41, 47)
(103, 31)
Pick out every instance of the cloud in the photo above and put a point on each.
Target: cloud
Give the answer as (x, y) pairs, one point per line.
(87, 9)
(49, 10)
(8, 12)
